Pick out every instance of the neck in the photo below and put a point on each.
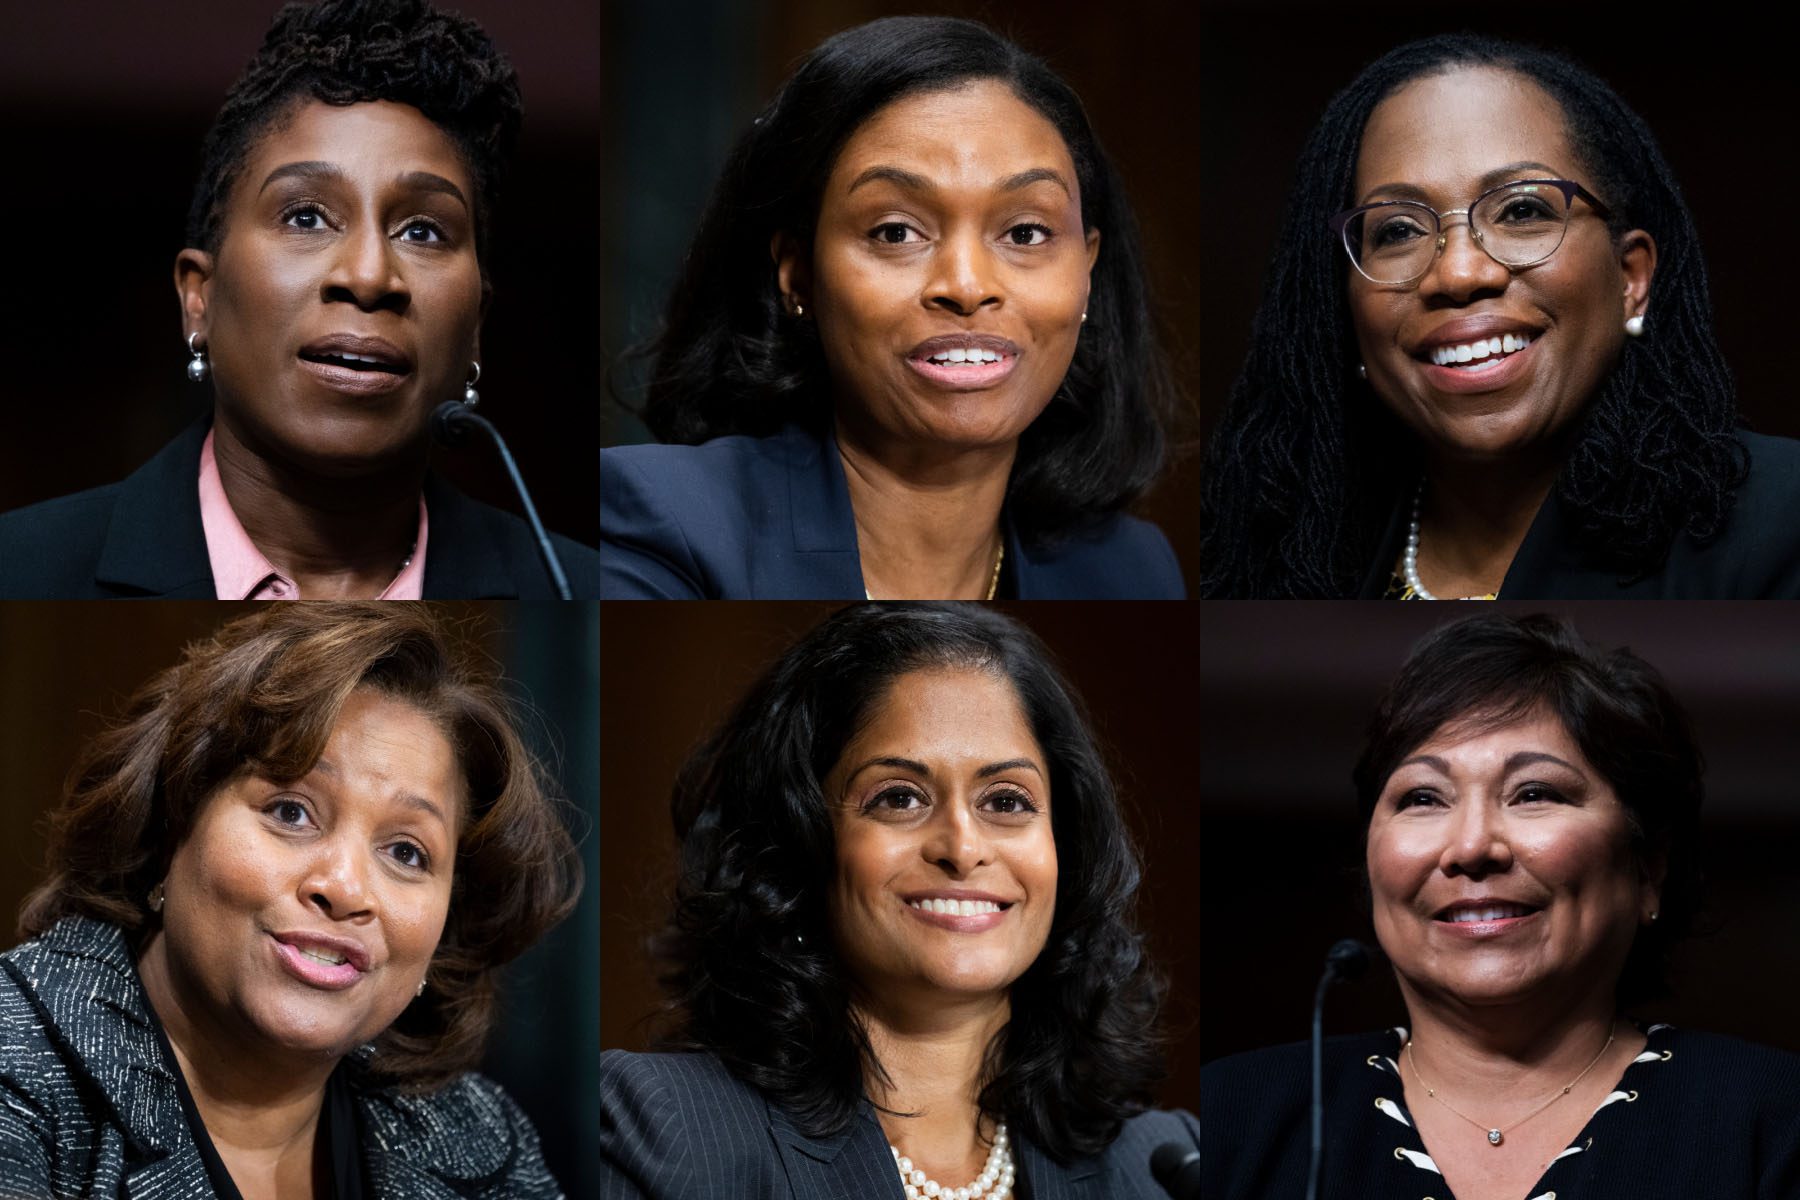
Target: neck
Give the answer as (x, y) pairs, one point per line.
(927, 520)
(336, 538)
(261, 1110)
(932, 1055)
(1476, 515)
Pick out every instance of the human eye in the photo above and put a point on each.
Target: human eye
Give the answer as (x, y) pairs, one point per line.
(1525, 205)
(895, 799)
(895, 233)
(1417, 798)
(1538, 793)
(1009, 802)
(305, 215)
(289, 812)
(422, 232)
(1029, 233)
(1396, 229)
(410, 854)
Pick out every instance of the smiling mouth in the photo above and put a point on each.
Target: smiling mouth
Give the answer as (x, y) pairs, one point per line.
(1482, 354)
(958, 908)
(1468, 915)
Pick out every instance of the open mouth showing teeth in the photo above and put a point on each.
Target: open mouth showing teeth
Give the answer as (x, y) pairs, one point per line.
(354, 362)
(958, 908)
(1492, 912)
(1481, 354)
(325, 956)
(971, 357)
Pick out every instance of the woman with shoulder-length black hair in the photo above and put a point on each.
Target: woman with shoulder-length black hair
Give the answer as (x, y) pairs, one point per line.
(909, 354)
(1484, 362)
(902, 955)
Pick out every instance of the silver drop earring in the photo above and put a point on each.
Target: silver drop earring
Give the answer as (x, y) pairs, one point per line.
(421, 990)
(198, 368)
(471, 397)
(1362, 371)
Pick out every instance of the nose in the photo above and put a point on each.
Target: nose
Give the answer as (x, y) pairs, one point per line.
(336, 881)
(1477, 843)
(1462, 271)
(957, 842)
(365, 271)
(964, 279)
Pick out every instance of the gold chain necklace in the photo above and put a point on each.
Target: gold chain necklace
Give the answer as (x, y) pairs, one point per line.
(993, 580)
(1497, 1135)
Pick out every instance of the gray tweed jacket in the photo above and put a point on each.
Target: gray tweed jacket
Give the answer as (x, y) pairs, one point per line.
(87, 1108)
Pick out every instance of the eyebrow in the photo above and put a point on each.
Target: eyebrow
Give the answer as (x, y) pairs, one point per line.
(912, 181)
(1011, 764)
(315, 169)
(1522, 758)
(919, 768)
(410, 800)
(1495, 177)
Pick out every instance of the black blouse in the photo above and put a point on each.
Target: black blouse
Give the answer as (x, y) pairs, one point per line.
(1694, 1115)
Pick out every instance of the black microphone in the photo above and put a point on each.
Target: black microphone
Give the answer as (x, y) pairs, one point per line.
(450, 421)
(1348, 959)
(1176, 1166)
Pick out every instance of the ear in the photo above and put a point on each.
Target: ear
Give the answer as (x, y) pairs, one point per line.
(793, 270)
(193, 287)
(1653, 872)
(1093, 255)
(1637, 261)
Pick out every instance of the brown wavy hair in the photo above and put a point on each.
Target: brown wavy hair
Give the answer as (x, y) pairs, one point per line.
(262, 694)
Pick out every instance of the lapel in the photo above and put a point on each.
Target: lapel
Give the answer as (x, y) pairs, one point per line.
(463, 560)
(451, 1143)
(86, 982)
(856, 1162)
(1085, 1179)
(154, 544)
(822, 523)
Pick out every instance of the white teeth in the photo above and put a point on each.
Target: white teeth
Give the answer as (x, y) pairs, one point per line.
(965, 355)
(1495, 912)
(1479, 349)
(956, 908)
(329, 958)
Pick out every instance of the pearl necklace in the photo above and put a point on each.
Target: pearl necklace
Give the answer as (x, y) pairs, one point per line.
(994, 1183)
(1409, 558)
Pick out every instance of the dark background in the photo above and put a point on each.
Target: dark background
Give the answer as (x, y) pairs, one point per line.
(104, 104)
(683, 81)
(673, 670)
(69, 667)
(1287, 690)
(1716, 91)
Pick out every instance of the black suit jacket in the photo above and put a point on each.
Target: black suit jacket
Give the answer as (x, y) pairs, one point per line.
(142, 539)
(681, 1127)
(88, 1108)
(1755, 557)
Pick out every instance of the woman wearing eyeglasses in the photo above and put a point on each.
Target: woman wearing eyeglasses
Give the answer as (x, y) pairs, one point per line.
(1485, 365)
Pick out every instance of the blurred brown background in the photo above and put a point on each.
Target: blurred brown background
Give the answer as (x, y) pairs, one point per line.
(103, 105)
(69, 667)
(1288, 689)
(673, 670)
(683, 81)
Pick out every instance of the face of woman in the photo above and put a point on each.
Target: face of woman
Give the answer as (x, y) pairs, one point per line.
(303, 914)
(1501, 867)
(949, 271)
(345, 299)
(946, 868)
(1445, 140)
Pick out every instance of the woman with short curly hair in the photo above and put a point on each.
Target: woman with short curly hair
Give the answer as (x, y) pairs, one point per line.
(263, 962)
(332, 293)
(903, 935)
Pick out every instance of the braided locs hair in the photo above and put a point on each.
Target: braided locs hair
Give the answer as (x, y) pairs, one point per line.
(1303, 471)
(351, 51)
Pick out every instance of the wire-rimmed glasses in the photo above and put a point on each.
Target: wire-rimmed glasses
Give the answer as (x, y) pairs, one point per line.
(1518, 224)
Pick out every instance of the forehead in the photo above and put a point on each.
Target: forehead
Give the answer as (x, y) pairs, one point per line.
(1480, 742)
(1445, 133)
(382, 747)
(372, 142)
(974, 134)
(949, 715)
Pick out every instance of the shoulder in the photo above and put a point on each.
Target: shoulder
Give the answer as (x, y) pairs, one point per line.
(468, 1130)
(49, 550)
(492, 539)
(1261, 1086)
(1123, 558)
(1718, 1060)
(681, 1126)
(662, 1083)
(1146, 1133)
(1757, 553)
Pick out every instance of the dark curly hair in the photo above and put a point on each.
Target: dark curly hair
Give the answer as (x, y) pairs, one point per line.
(731, 360)
(1304, 471)
(263, 693)
(1491, 670)
(352, 51)
(751, 972)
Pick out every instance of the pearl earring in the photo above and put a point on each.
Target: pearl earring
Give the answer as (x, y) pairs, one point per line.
(1362, 372)
(155, 898)
(198, 368)
(1653, 917)
(799, 309)
(471, 397)
(1634, 326)
(421, 990)
(1084, 318)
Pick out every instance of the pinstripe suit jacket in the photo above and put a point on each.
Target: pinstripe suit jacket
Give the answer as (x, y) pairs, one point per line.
(88, 1109)
(681, 1127)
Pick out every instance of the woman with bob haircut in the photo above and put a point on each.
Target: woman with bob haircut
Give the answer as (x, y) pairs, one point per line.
(332, 291)
(902, 956)
(909, 354)
(1484, 363)
(1532, 808)
(265, 956)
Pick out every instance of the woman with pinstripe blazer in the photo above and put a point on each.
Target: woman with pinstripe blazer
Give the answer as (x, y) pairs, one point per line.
(902, 957)
(265, 955)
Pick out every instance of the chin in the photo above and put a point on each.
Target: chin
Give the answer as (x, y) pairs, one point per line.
(309, 1029)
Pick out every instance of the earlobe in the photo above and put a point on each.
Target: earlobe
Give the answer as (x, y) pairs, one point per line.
(793, 276)
(1637, 262)
(193, 286)
(1093, 248)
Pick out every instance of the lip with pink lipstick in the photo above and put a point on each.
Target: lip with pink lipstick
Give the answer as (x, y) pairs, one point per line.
(964, 362)
(957, 909)
(1484, 917)
(1480, 354)
(320, 960)
(356, 365)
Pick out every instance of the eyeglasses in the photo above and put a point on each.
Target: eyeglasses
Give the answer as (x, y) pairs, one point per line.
(1518, 224)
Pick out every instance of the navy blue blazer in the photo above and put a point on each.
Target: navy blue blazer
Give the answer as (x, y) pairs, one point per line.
(142, 538)
(742, 518)
(682, 1127)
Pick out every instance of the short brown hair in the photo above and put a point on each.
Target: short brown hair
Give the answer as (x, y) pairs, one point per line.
(263, 693)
